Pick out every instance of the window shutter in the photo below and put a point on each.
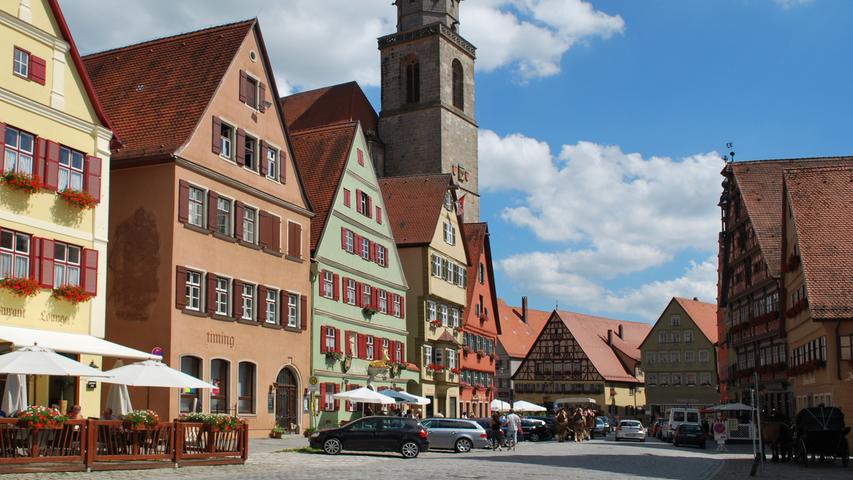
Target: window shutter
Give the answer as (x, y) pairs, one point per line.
(343, 238)
(323, 348)
(212, 201)
(294, 240)
(3, 147)
(211, 294)
(356, 247)
(392, 351)
(216, 140)
(338, 340)
(238, 220)
(323, 396)
(362, 346)
(282, 305)
(369, 211)
(344, 289)
(92, 184)
(358, 291)
(360, 154)
(51, 166)
(240, 148)
(403, 306)
(237, 299)
(347, 199)
(335, 292)
(38, 69)
(374, 252)
(374, 299)
(282, 167)
(402, 352)
(303, 310)
(180, 288)
(262, 96)
(358, 201)
(261, 304)
(276, 234)
(40, 154)
(379, 215)
(46, 262)
(337, 402)
(183, 201)
(242, 90)
(262, 160)
(265, 229)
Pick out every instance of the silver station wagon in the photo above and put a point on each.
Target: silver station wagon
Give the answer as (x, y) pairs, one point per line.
(455, 434)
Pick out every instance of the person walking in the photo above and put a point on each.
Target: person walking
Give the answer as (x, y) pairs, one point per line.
(497, 431)
(513, 424)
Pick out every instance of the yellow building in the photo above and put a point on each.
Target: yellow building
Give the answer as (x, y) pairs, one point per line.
(55, 148)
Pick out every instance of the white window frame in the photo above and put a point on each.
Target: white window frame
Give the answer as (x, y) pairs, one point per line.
(688, 336)
(690, 379)
(451, 358)
(329, 339)
(271, 310)
(454, 317)
(650, 358)
(704, 356)
(223, 294)
(398, 306)
(293, 310)
(273, 163)
(383, 301)
(249, 224)
(71, 169)
(663, 337)
(351, 292)
(365, 248)
(449, 233)
(250, 140)
(366, 293)
(21, 63)
(350, 241)
(436, 266)
(689, 356)
(676, 336)
(370, 351)
(247, 294)
(328, 284)
(705, 378)
(675, 320)
(226, 143)
(674, 356)
(445, 315)
(227, 216)
(195, 217)
(676, 379)
(432, 311)
(193, 290)
(427, 354)
(380, 255)
(66, 268)
(15, 153)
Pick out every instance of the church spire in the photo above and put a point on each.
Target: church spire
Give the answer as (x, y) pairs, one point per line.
(413, 14)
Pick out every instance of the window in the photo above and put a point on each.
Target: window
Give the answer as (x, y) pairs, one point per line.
(413, 81)
(688, 336)
(674, 357)
(437, 266)
(398, 352)
(219, 376)
(439, 356)
(676, 336)
(272, 163)
(66, 265)
(380, 255)
(365, 248)
(705, 378)
(349, 241)
(195, 215)
(223, 296)
(250, 216)
(369, 343)
(223, 216)
(21, 63)
(675, 321)
(689, 356)
(458, 85)
(383, 301)
(704, 356)
(252, 92)
(427, 354)
(481, 274)
(71, 170)
(444, 315)
(650, 357)
(451, 358)
(191, 397)
(676, 379)
(246, 387)
(250, 153)
(328, 289)
(398, 306)
(329, 397)
(366, 295)
(663, 337)
(449, 233)
(292, 310)
(363, 205)
(19, 152)
(193, 290)
(652, 379)
(331, 343)
(226, 134)
(478, 308)
(350, 291)
(454, 317)
(691, 379)
(846, 342)
(663, 379)
(248, 296)
(272, 307)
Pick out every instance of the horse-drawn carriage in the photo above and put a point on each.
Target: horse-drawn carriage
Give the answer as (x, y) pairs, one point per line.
(820, 435)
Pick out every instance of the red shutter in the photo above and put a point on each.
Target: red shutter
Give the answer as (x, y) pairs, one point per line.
(41, 153)
(360, 153)
(294, 237)
(347, 199)
(303, 309)
(336, 294)
(392, 351)
(323, 397)
(374, 251)
(282, 307)
(338, 340)
(276, 234)
(211, 294)
(237, 303)
(212, 205)
(38, 69)
(262, 160)
(51, 166)
(362, 346)
(3, 146)
(242, 88)
(343, 238)
(238, 220)
(358, 291)
(369, 211)
(358, 201)
(90, 271)
(265, 229)
(261, 304)
(356, 244)
(337, 402)
(379, 215)
(240, 148)
(262, 96)
(282, 167)
(183, 201)
(374, 297)
(216, 137)
(402, 352)
(180, 287)
(92, 184)
(402, 306)
(46, 262)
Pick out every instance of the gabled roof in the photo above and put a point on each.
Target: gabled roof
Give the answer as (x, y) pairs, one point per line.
(476, 238)
(80, 67)
(322, 155)
(414, 203)
(344, 103)
(703, 314)
(516, 336)
(822, 204)
(157, 91)
(760, 184)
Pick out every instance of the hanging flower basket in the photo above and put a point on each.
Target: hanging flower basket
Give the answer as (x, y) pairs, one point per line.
(78, 199)
(455, 371)
(141, 420)
(37, 417)
(21, 287)
(435, 323)
(334, 356)
(22, 182)
(71, 293)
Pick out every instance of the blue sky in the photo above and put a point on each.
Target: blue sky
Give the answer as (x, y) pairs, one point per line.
(610, 113)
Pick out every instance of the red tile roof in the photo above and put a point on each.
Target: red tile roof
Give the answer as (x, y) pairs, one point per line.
(322, 154)
(760, 184)
(156, 92)
(342, 103)
(822, 204)
(704, 315)
(516, 336)
(414, 203)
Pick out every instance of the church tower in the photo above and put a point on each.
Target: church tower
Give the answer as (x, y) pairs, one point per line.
(427, 120)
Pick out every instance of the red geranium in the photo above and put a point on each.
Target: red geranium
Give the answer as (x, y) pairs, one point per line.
(80, 199)
(434, 367)
(72, 293)
(22, 287)
(22, 181)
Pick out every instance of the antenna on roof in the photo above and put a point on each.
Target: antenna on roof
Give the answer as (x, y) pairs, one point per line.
(556, 304)
(730, 158)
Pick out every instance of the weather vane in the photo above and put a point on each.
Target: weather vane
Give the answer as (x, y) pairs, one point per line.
(731, 156)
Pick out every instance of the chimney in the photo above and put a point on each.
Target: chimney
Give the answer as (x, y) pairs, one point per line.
(695, 299)
(620, 333)
(610, 337)
(524, 309)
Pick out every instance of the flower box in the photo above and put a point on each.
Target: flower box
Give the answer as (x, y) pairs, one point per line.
(435, 323)
(78, 199)
(434, 368)
(22, 182)
(71, 293)
(141, 420)
(37, 417)
(21, 287)
(455, 371)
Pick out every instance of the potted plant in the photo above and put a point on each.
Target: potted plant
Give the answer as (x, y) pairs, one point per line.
(141, 420)
(78, 199)
(368, 311)
(309, 431)
(335, 356)
(36, 417)
(19, 286)
(71, 293)
(223, 423)
(277, 431)
(22, 182)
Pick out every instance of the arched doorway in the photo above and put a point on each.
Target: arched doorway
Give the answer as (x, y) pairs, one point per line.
(287, 400)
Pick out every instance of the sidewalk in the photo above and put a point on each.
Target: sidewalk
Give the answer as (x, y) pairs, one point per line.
(267, 445)
(736, 469)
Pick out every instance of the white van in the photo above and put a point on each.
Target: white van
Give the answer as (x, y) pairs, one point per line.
(675, 417)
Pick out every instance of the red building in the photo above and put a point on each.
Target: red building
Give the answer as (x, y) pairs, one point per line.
(481, 325)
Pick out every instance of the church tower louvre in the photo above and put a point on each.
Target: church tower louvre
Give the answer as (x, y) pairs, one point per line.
(427, 120)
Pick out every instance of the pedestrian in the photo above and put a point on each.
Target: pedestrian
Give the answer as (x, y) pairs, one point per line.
(497, 431)
(513, 423)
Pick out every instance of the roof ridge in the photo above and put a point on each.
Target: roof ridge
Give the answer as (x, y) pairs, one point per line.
(331, 126)
(820, 168)
(791, 159)
(313, 90)
(415, 175)
(170, 38)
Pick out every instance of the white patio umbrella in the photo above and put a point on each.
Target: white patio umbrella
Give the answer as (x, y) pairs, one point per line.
(118, 398)
(406, 397)
(37, 360)
(15, 394)
(153, 373)
(733, 407)
(365, 395)
(522, 406)
(500, 406)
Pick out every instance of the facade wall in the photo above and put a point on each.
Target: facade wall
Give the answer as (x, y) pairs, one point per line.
(59, 111)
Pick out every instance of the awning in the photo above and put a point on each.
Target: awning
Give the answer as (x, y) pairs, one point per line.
(69, 343)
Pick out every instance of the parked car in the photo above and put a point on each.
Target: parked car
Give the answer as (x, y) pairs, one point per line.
(602, 426)
(455, 434)
(675, 417)
(630, 430)
(550, 421)
(654, 430)
(535, 430)
(689, 434)
(376, 434)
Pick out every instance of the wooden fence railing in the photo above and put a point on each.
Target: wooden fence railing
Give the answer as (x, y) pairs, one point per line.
(111, 445)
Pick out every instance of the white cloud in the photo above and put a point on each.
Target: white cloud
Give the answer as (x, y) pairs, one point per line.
(316, 43)
(793, 3)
